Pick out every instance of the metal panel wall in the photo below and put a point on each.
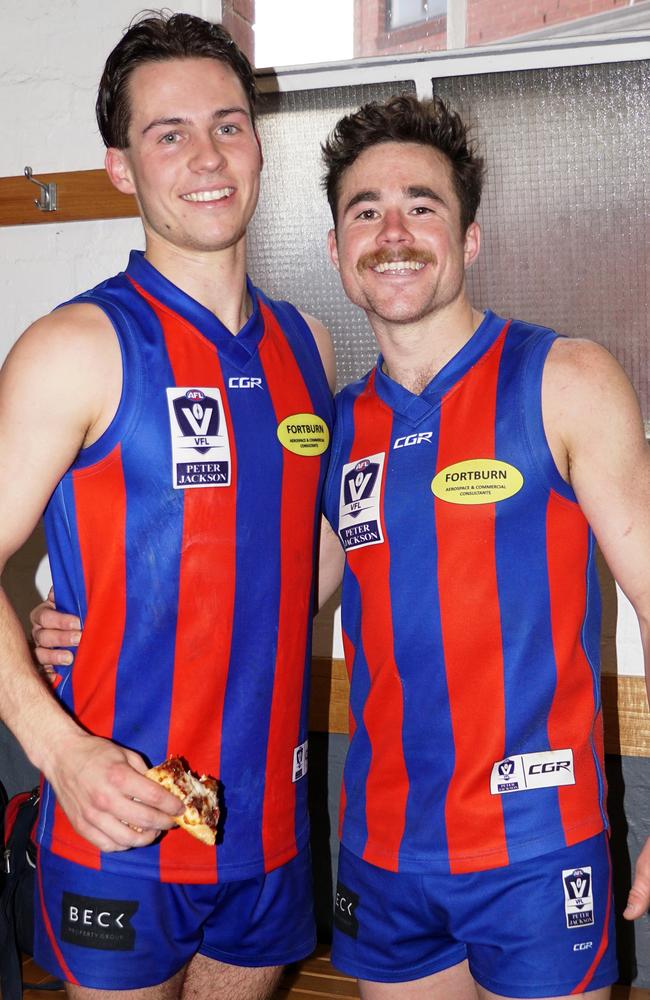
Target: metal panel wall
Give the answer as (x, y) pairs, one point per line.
(287, 238)
(565, 210)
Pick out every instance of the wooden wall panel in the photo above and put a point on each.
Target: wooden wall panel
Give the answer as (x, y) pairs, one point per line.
(82, 195)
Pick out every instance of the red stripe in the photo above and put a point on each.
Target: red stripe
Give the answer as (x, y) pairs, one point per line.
(100, 497)
(604, 939)
(471, 625)
(300, 481)
(387, 784)
(573, 710)
(67, 975)
(209, 530)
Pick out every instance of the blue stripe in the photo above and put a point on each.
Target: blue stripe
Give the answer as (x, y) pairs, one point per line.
(410, 530)
(522, 577)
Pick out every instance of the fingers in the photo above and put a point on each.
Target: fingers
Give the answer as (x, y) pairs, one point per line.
(45, 616)
(639, 898)
(109, 801)
(52, 629)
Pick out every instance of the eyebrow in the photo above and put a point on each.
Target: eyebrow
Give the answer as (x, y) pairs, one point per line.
(413, 191)
(217, 115)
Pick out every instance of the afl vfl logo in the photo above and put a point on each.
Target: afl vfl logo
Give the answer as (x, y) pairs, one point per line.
(477, 481)
(578, 897)
(199, 438)
(359, 502)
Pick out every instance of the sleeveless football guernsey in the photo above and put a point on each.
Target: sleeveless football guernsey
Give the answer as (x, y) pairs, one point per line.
(470, 617)
(183, 538)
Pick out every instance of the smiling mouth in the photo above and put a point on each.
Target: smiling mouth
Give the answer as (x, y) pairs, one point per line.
(399, 266)
(203, 196)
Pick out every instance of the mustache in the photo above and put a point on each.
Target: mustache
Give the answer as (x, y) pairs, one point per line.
(388, 256)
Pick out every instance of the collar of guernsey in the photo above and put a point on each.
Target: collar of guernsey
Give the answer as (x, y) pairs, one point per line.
(415, 408)
(240, 346)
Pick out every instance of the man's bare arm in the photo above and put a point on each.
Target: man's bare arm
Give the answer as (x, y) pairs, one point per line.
(325, 348)
(596, 432)
(331, 560)
(58, 391)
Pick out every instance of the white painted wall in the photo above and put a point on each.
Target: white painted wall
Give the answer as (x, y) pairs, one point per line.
(51, 58)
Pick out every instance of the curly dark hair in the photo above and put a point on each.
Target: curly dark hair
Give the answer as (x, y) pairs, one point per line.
(155, 36)
(406, 119)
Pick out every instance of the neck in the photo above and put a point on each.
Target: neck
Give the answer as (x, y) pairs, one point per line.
(216, 279)
(414, 353)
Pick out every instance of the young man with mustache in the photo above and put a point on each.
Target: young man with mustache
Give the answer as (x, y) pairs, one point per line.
(471, 472)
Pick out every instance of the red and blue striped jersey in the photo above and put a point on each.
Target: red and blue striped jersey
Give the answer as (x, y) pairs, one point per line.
(184, 540)
(470, 617)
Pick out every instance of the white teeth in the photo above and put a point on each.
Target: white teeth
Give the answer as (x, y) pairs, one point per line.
(208, 195)
(399, 265)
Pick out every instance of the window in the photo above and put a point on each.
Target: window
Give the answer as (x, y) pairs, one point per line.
(400, 13)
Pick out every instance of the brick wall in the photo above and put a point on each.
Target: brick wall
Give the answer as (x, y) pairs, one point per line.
(239, 17)
(490, 20)
(487, 21)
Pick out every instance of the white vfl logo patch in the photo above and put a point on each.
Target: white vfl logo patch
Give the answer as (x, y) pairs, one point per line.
(359, 506)
(526, 771)
(300, 761)
(200, 444)
(578, 898)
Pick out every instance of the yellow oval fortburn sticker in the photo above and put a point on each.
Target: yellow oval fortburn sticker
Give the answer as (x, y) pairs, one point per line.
(479, 480)
(304, 434)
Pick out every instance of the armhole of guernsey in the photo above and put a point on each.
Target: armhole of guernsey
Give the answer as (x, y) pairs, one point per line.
(331, 492)
(532, 415)
(128, 407)
(292, 322)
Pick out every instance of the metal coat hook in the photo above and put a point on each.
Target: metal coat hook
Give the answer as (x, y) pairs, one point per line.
(46, 200)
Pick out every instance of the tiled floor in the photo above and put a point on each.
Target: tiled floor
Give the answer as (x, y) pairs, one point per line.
(314, 978)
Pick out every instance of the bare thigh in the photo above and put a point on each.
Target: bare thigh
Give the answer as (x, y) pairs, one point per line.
(208, 979)
(169, 990)
(455, 983)
(603, 994)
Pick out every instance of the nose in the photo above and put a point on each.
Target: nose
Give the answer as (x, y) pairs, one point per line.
(394, 228)
(207, 155)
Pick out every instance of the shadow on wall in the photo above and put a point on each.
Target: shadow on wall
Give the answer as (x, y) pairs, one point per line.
(19, 582)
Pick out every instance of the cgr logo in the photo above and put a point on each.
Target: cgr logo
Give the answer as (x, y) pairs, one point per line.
(550, 766)
(244, 382)
(583, 946)
(409, 439)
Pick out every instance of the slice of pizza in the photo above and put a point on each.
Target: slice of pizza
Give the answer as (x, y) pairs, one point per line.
(199, 795)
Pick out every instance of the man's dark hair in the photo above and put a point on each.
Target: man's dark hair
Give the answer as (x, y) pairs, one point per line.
(155, 36)
(406, 119)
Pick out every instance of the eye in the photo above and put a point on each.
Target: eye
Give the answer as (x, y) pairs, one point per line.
(368, 214)
(228, 129)
(421, 210)
(169, 138)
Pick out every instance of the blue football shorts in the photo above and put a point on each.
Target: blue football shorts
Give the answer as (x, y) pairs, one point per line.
(537, 928)
(115, 932)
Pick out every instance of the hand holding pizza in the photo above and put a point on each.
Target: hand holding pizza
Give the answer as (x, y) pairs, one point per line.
(103, 790)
